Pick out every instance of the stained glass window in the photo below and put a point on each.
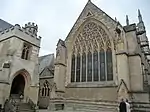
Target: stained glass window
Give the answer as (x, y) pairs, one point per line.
(93, 62)
(83, 67)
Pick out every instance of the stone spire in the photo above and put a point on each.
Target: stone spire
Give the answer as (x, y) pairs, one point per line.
(127, 20)
(139, 16)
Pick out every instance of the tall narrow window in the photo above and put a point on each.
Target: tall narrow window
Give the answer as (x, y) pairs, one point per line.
(95, 65)
(42, 91)
(89, 67)
(78, 69)
(83, 67)
(25, 51)
(73, 68)
(102, 65)
(109, 64)
(48, 94)
(45, 91)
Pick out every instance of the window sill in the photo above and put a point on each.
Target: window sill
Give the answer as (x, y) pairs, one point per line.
(105, 84)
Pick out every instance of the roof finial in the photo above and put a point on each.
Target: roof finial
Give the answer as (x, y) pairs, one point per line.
(139, 16)
(127, 20)
(115, 19)
(89, 0)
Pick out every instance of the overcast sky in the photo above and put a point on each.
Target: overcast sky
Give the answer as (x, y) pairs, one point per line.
(55, 18)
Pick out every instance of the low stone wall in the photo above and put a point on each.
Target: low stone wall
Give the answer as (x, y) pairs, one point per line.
(78, 105)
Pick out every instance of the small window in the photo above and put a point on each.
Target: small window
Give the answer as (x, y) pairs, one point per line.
(45, 89)
(26, 51)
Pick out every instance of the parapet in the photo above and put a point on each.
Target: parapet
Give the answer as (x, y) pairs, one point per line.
(131, 27)
(21, 32)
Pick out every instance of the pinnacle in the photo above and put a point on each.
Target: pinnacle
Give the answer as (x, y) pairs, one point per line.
(127, 20)
(139, 16)
(139, 13)
(89, 0)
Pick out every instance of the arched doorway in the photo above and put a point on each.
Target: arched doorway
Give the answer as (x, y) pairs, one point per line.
(18, 86)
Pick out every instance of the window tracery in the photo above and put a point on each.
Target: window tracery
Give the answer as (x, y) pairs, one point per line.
(46, 89)
(94, 55)
(26, 51)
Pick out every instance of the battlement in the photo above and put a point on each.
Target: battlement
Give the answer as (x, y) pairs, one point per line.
(20, 32)
(29, 24)
(17, 26)
(31, 28)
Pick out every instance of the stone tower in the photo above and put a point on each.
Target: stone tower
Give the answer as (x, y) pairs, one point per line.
(19, 50)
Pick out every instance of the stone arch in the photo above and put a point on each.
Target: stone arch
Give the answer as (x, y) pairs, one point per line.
(25, 74)
(104, 31)
(27, 79)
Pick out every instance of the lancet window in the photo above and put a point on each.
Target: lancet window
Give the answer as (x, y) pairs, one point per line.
(92, 55)
(46, 89)
(26, 51)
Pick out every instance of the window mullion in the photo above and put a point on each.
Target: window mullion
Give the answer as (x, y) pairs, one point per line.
(99, 65)
(105, 65)
(92, 68)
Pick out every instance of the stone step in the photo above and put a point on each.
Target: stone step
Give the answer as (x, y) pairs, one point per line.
(24, 107)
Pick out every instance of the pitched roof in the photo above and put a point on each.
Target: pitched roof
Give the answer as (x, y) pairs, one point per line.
(61, 42)
(4, 25)
(47, 72)
(95, 10)
(46, 61)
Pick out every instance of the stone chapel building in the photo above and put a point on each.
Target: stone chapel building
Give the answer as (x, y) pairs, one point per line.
(99, 63)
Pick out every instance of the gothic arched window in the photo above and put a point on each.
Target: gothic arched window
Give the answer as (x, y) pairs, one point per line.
(92, 55)
(46, 89)
(26, 51)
